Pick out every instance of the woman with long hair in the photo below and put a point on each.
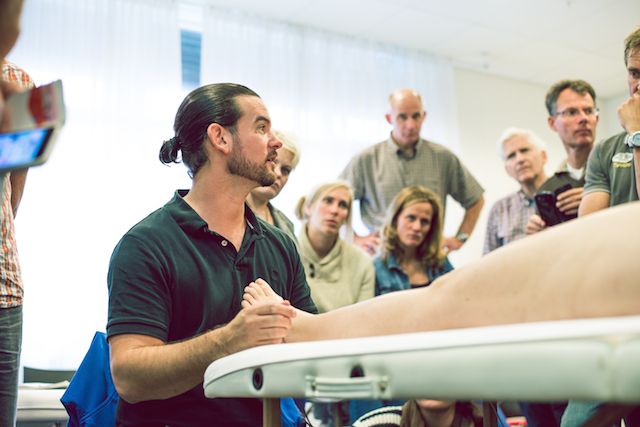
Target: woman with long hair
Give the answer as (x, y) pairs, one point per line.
(412, 251)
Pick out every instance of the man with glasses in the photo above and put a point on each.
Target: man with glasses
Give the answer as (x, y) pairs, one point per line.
(613, 173)
(571, 105)
(612, 178)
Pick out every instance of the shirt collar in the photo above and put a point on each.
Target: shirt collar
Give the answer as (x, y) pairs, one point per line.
(189, 220)
(392, 147)
(566, 169)
(392, 263)
(526, 200)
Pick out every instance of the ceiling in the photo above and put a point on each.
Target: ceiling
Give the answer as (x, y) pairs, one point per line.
(539, 41)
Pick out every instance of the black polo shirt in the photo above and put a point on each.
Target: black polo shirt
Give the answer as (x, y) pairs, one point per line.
(172, 278)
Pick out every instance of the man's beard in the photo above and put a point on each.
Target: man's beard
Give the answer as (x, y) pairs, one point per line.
(239, 165)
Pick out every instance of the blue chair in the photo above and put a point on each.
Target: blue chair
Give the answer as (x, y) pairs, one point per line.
(91, 398)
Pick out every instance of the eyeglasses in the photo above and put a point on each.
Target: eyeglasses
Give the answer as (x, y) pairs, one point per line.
(571, 113)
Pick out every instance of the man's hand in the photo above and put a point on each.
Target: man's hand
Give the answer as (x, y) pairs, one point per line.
(369, 243)
(451, 244)
(535, 224)
(629, 113)
(258, 325)
(569, 201)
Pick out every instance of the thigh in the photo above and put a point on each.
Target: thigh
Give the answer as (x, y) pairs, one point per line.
(10, 343)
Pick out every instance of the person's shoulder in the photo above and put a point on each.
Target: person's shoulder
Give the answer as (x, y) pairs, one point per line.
(371, 151)
(559, 179)
(611, 143)
(149, 225)
(355, 254)
(504, 201)
(156, 226)
(282, 221)
(378, 261)
(276, 237)
(437, 148)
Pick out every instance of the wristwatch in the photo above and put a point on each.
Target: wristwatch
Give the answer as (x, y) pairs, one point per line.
(633, 139)
(463, 237)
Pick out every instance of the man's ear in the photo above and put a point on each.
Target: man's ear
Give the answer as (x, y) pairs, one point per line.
(551, 121)
(219, 138)
(389, 118)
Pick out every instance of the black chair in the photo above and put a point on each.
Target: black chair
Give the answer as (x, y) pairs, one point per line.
(33, 375)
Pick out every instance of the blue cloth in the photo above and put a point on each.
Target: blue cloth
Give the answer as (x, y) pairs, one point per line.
(91, 398)
(10, 343)
(578, 412)
(290, 415)
(390, 277)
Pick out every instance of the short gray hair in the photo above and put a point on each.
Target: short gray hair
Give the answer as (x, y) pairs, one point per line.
(512, 132)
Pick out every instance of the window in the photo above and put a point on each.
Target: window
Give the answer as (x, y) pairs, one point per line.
(190, 47)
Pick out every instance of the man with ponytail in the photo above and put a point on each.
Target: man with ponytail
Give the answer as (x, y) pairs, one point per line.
(177, 278)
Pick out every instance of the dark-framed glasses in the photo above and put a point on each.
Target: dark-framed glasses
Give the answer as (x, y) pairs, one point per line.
(571, 113)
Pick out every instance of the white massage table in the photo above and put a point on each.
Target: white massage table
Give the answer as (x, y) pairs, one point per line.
(587, 359)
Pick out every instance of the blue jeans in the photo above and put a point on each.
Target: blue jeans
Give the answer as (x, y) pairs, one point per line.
(578, 412)
(10, 343)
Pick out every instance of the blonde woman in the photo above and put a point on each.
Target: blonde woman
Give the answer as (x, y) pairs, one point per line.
(338, 273)
(412, 254)
(259, 199)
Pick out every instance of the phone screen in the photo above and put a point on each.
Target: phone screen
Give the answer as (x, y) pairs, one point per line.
(22, 148)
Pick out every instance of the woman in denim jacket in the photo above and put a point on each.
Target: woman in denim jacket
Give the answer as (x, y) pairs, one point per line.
(412, 254)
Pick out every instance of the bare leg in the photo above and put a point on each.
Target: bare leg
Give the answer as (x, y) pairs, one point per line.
(585, 268)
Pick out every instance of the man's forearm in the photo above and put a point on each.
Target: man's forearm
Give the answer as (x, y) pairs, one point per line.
(18, 179)
(471, 216)
(145, 371)
(146, 368)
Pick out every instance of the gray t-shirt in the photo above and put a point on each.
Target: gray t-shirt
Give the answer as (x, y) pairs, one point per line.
(610, 169)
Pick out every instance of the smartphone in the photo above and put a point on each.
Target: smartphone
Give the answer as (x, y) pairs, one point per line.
(32, 120)
(546, 206)
(23, 149)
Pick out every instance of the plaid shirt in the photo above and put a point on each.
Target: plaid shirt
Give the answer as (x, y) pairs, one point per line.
(10, 280)
(379, 172)
(508, 220)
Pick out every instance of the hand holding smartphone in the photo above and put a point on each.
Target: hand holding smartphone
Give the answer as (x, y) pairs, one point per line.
(546, 206)
(32, 120)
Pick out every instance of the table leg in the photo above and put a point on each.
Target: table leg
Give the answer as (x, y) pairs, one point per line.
(271, 412)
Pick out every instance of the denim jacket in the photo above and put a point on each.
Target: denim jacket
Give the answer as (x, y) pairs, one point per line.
(390, 277)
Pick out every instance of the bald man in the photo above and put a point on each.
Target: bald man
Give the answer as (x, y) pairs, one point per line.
(379, 172)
